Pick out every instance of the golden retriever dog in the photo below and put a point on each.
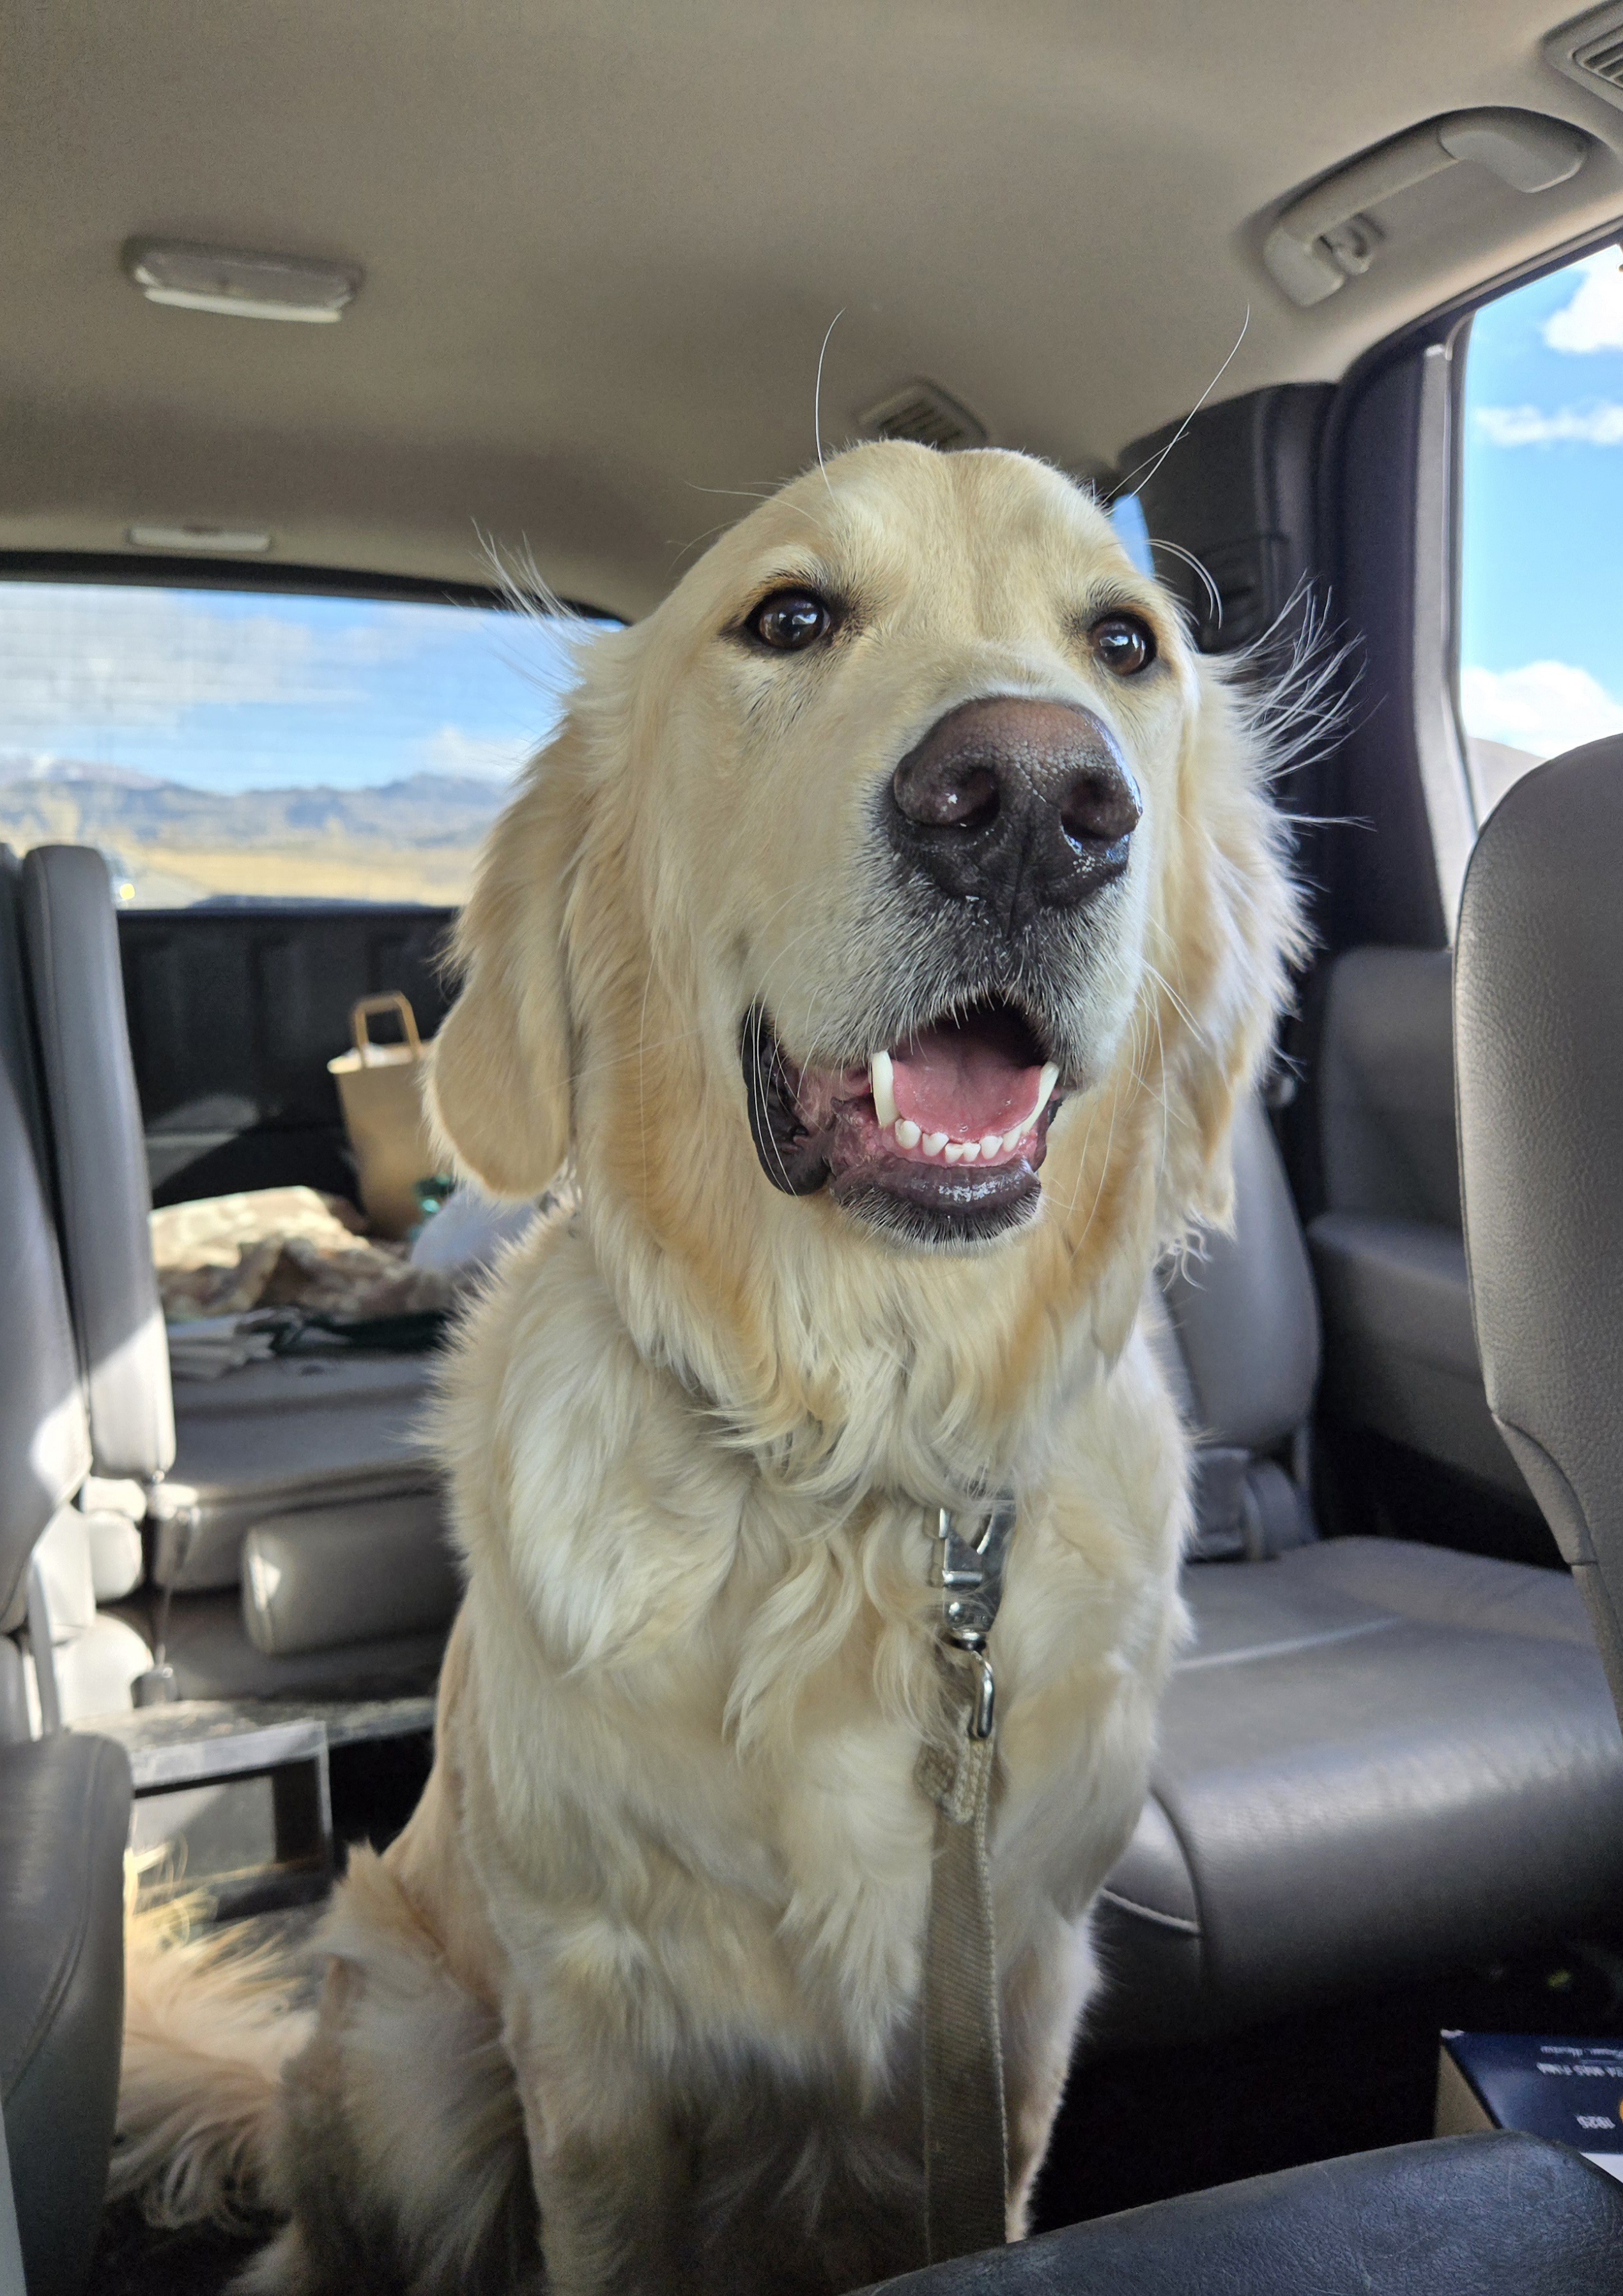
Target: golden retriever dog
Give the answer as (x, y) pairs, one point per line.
(886, 936)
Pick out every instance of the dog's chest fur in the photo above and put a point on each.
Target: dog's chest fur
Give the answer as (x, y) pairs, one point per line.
(698, 1700)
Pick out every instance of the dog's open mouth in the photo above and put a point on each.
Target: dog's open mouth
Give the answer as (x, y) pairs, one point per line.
(938, 1138)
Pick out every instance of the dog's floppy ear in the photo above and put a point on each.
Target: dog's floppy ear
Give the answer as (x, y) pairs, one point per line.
(499, 1093)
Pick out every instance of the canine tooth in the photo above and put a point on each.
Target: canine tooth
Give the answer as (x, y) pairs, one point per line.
(1045, 1084)
(972, 1150)
(906, 1133)
(954, 1152)
(992, 1144)
(933, 1143)
(881, 1072)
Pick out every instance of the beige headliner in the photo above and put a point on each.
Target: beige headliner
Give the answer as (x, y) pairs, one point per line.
(602, 243)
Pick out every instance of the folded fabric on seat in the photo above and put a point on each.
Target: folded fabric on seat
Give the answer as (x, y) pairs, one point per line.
(284, 1247)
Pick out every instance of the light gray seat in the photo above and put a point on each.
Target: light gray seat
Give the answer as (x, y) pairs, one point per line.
(64, 1799)
(1538, 1035)
(1378, 1758)
(304, 1448)
(82, 1554)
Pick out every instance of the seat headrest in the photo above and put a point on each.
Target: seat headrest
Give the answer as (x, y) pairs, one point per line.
(70, 937)
(1244, 1312)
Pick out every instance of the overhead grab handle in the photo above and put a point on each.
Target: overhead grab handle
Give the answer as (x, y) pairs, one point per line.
(1323, 239)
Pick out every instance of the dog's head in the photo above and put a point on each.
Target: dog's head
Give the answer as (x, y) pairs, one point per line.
(888, 929)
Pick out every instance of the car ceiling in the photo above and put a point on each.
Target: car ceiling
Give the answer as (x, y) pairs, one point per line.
(604, 244)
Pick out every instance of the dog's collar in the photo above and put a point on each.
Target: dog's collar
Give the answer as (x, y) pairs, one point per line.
(970, 1557)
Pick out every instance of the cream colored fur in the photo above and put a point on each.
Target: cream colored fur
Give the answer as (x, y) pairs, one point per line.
(649, 1953)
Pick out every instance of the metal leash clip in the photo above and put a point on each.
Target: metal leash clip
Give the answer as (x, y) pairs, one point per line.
(969, 1574)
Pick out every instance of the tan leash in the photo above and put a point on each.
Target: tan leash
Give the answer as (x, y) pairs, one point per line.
(966, 2137)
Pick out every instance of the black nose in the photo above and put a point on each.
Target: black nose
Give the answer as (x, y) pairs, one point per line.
(1023, 805)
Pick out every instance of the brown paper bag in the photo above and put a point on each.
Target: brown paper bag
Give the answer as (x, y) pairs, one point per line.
(379, 1089)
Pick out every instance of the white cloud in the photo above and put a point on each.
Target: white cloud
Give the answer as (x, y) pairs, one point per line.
(137, 661)
(1544, 707)
(1593, 321)
(471, 755)
(1598, 424)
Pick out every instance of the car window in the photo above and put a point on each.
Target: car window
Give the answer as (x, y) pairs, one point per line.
(1541, 536)
(221, 744)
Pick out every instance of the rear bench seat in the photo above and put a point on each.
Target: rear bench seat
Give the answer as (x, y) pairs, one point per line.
(1376, 1759)
(303, 1481)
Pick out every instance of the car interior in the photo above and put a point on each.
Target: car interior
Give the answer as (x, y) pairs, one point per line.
(353, 355)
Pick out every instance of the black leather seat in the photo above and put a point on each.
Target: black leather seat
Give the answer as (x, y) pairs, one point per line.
(1498, 2215)
(1378, 1758)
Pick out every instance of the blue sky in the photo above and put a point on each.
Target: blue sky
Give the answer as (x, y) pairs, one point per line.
(1541, 641)
(234, 691)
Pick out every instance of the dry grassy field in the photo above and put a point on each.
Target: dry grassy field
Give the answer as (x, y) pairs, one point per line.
(166, 875)
(170, 845)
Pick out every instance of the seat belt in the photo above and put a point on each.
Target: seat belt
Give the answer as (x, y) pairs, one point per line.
(966, 2139)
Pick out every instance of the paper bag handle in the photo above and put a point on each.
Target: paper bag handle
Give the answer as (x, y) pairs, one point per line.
(391, 1000)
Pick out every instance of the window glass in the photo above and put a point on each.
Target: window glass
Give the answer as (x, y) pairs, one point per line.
(1127, 518)
(1541, 592)
(223, 744)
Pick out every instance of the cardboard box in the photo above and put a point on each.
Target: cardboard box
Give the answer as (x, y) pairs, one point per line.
(1566, 2088)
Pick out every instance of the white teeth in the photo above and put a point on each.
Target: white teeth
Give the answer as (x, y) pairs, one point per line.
(881, 1072)
(972, 1150)
(954, 1152)
(1011, 1140)
(933, 1143)
(1045, 1084)
(906, 1133)
(992, 1144)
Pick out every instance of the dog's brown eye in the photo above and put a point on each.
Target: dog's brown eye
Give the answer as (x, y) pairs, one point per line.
(1123, 644)
(791, 621)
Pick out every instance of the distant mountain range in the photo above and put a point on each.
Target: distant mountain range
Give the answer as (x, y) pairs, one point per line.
(77, 801)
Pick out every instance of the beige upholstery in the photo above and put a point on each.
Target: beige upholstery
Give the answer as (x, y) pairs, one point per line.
(300, 1430)
(597, 287)
(337, 1574)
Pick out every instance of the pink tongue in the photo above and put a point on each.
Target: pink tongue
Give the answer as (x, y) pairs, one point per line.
(947, 1081)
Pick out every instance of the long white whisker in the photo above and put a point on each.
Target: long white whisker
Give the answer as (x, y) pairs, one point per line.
(817, 399)
(1132, 481)
(1182, 1010)
(1213, 596)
